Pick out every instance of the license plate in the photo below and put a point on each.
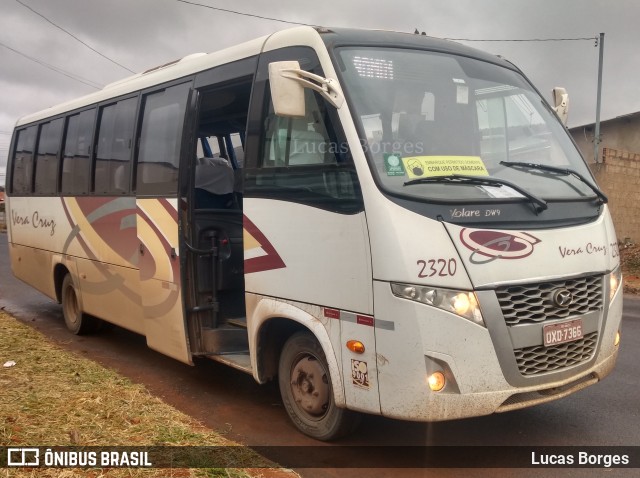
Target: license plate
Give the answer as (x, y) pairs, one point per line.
(555, 334)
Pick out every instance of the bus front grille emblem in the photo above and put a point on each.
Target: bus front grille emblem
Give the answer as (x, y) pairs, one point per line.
(562, 297)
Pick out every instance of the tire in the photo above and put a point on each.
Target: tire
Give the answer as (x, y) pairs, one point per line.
(76, 321)
(307, 395)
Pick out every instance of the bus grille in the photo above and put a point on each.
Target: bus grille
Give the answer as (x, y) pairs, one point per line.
(532, 303)
(540, 359)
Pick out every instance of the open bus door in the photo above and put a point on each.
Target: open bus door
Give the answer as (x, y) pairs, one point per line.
(159, 150)
(214, 287)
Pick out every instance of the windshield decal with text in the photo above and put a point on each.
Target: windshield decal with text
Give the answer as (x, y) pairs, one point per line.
(431, 166)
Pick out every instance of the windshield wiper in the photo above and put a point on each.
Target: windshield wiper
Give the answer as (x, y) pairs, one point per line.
(481, 181)
(563, 171)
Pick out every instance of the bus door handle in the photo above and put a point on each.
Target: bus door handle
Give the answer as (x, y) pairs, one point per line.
(141, 249)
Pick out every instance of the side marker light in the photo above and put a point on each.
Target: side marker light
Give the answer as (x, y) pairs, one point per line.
(436, 381)
(355, 346)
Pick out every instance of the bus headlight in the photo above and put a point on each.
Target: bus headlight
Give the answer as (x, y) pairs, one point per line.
(462, 303)
(615, 279)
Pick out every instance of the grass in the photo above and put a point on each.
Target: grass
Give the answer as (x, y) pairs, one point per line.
(52, 397)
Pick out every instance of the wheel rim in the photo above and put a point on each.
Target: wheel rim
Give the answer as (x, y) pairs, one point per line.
(310, 386)
(71, 305)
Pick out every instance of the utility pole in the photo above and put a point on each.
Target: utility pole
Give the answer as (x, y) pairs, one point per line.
(596, 137)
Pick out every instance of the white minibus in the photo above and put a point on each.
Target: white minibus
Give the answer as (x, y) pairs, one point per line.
(385, 223)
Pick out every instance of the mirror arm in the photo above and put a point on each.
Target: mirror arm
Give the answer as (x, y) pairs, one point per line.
(327, 87)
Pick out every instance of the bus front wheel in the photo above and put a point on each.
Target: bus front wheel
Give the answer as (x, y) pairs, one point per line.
(76, 321)
(305, 386)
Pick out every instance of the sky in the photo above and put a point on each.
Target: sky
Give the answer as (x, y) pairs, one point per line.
(41, 65)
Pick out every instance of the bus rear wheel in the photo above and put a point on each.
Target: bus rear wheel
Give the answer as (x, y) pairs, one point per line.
(305, 386)
(76, 321)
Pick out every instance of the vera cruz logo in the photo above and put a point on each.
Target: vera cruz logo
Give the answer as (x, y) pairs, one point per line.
(488, 246)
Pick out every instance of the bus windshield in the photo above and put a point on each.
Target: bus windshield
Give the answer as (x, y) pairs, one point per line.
(427, 115)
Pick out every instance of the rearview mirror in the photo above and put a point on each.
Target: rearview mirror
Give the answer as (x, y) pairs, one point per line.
(561, 103)
(287, 94)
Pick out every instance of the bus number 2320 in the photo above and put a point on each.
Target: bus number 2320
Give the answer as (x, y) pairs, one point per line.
(437, 267)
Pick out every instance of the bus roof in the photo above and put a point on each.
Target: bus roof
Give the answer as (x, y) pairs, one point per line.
(191, 64)
(174, 70)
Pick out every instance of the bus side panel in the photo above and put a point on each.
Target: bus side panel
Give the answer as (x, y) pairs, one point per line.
(321, 259)
(39, 229)
(103, 229)
(105, 234)
(297, 252)
(160, 291)
(28, 265)
(110, 292)
(38, 222)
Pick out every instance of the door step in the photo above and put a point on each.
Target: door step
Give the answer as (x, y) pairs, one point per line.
(240, 362)
(239, 322)
(225, 340)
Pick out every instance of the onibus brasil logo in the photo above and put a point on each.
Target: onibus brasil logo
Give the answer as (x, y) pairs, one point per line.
(487, 246)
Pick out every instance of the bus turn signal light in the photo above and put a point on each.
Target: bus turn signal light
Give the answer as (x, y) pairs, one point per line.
(355, 346)
(436, 381)
(616, 342)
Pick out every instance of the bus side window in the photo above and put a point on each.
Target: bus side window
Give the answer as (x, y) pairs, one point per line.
(46, 164)
(298, 141)
(306, 160)
(23, 161)
(76, 162)
(160, 140)
(115, 140)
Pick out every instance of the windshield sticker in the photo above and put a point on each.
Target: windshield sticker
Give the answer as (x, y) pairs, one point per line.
(487, 246)
(393, 164)
(462, 91)
(501, 192)
(462, 95)
(431, 166)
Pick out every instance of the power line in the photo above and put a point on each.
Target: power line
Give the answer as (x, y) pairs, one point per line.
(75, 37)
(245, 14)
(262, 17)
(54, 68)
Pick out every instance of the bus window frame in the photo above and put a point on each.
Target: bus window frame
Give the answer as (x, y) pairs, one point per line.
(142, 94)
(12, 163)
(67, 117)
(94, 142)
(256, 132)
(36, 153)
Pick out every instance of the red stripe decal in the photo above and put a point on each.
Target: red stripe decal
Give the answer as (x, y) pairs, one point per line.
(332, 313)
(364, 320)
